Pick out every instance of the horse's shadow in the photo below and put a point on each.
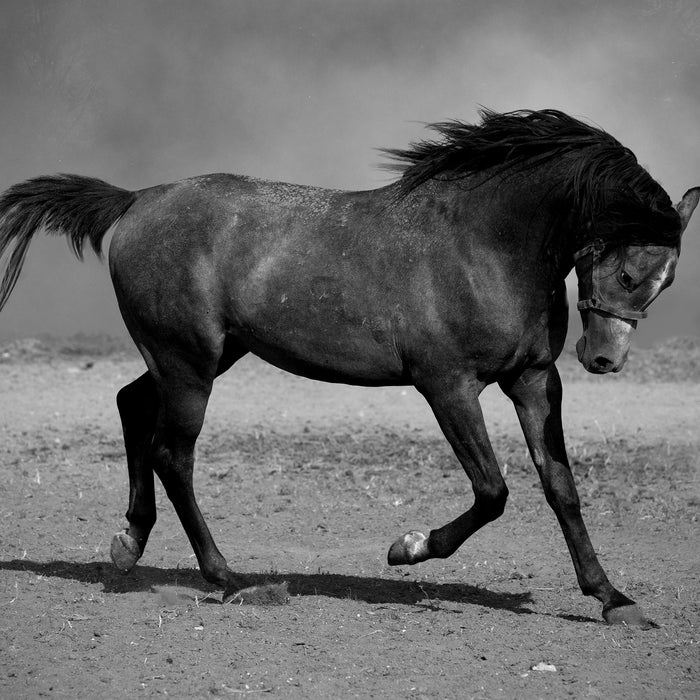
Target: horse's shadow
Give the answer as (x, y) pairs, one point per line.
(365, 588)
(369, 589)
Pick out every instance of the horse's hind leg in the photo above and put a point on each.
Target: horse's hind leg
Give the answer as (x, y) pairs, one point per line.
(138, 405)
(138, 410)
(184, 392)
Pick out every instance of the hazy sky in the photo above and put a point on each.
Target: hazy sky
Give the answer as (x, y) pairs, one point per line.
(140, 92)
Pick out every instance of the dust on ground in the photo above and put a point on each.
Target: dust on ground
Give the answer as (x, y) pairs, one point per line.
(310, 483)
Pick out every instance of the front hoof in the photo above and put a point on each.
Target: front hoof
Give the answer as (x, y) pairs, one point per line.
(125, 551)
(630, 615)
(409, 549)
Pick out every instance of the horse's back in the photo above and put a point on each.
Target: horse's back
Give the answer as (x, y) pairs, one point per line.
(276, 266)
(341, 286)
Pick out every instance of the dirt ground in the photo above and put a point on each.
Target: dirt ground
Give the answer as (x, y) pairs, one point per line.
(310, 483)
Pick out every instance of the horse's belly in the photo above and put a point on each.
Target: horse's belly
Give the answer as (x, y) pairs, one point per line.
(350, 356)
(330, 325)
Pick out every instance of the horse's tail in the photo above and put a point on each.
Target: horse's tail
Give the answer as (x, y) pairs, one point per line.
(78, 207)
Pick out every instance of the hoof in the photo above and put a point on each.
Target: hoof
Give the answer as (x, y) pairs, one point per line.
(125, 551)
(630, 615)
(409, 549)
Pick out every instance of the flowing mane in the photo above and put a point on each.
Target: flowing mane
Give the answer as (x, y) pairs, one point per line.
(604, 183)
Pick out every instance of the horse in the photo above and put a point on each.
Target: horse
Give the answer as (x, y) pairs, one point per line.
(449, 278)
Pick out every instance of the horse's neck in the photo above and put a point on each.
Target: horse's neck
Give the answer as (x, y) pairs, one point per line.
(519, 215)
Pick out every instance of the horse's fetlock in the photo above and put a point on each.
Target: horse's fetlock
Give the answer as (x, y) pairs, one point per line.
(141, 524)
(216, 573)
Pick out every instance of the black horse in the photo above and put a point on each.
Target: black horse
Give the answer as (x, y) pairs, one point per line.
(449, 279)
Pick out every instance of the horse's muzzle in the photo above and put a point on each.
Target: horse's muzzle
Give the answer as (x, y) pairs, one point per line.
(605, 343)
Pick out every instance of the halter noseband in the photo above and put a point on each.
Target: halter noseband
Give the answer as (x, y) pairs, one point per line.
(595, 302)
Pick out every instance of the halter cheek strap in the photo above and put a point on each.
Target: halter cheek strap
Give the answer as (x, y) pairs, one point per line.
(595, 302)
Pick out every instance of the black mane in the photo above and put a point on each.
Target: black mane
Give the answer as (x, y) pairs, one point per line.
(604, 183)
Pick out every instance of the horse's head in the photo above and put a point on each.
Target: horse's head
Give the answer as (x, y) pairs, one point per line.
(616, 285)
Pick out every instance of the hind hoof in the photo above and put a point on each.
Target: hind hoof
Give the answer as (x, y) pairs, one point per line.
(409, 549)
(630, 615)
(125, 552)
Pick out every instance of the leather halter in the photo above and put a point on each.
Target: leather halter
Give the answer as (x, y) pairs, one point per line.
(595, 302)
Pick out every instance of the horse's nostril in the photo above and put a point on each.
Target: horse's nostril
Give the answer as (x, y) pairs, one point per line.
(602, 362)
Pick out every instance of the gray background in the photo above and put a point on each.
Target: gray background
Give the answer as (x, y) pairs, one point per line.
(139, 93)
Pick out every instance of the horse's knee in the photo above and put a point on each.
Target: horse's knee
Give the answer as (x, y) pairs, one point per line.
(561, 494)
(491, 500)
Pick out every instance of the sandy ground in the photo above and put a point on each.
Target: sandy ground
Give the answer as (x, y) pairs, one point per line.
(310, 483)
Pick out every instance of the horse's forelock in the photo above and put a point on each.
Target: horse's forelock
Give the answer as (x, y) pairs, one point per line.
(621, 202)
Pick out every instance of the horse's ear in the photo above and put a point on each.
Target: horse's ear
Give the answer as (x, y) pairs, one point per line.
(687, 206)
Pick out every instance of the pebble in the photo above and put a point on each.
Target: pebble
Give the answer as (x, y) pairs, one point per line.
(542, 666)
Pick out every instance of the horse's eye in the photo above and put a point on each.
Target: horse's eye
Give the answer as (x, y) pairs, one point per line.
(625, 280)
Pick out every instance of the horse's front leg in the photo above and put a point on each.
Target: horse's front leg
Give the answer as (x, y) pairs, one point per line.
(536, 395)
(456, 407)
